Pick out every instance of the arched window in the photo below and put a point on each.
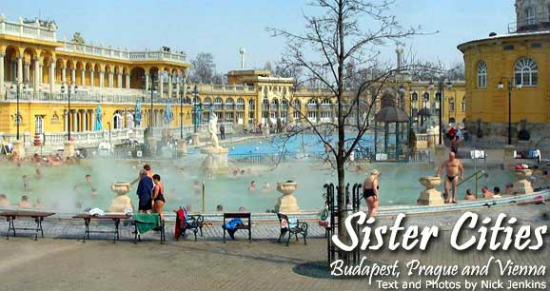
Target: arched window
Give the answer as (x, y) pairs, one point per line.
(218, 103)
(451, 104)
(312, 104)
(117, 120)
(481, 75)
(240, 104)
(463, 105)
(251, 105)
(526, 72)
(229, 104)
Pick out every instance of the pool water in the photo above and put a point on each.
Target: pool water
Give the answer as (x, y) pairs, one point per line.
(398, 182)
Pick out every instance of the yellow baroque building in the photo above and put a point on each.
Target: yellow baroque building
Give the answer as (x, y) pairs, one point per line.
(514, 65)
(42, 72)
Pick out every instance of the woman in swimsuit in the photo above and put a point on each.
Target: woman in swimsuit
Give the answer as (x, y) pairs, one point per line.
(158, 196)
(370, 192)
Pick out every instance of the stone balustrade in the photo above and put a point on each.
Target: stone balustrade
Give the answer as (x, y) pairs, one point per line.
(86, 139)
(28, 30)
(87, 97)
(122, 54)
(227, 88)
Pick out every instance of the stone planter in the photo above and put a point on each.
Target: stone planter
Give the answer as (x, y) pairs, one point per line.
(523, 184)
(122, 202)
(430, 196)
(287, 203)
(182, 147)
(68, 150)
(19, 148)
(121, 188)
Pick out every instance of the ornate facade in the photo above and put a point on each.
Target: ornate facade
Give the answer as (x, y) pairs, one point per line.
(45, 70)
(515, 64)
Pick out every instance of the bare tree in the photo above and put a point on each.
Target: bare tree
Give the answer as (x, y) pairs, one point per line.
(203, 70)
(333, 50)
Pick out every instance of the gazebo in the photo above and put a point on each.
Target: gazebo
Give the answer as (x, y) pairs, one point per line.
(390, 114)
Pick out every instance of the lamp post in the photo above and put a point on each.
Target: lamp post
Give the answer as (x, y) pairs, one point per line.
(441, 90)
(182, 97)
(510, 88)
(69, 107)
(152, 93)
(17, 116)
(196, 108)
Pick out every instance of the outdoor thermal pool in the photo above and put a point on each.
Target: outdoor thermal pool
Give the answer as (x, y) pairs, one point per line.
(56, 189)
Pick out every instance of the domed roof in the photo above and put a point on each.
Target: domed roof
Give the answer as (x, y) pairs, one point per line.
(389, 112)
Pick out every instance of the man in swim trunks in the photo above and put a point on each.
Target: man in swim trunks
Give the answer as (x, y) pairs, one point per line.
(454, 170)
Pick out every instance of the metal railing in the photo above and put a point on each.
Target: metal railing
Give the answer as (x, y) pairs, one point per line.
(478, 175)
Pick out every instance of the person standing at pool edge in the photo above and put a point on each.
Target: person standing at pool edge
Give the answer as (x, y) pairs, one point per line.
(370, 192)
(145, 192)
(158, 196)
(453, 167)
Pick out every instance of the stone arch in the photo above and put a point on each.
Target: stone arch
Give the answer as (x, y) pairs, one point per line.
(10, 63)
(97, 71)
(80, 65)
(137, 78)
(47, 59)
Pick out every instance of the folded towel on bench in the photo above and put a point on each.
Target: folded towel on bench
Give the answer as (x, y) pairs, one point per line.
(146, 222)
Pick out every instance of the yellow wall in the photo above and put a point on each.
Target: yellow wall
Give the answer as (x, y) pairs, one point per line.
(491, 104)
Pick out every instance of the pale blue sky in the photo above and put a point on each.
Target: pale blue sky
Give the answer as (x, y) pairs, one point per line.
(222, 26)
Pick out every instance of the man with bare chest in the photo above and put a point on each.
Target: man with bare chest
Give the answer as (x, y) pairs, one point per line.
(454, 171)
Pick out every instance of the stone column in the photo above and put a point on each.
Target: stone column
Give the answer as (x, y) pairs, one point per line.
(101, 79)
(127, 81)
(64, 74)
(75, 119)
(111, 80)
(161, 85)
(83, 76)
(1, 74)
(40, 72)
(26, 72)
(36, 74)
(147, 77)
(52, 75)
(119, 80)
(177, 86)
(20, 69)
(92, 78)
(73, 77)
(170, 85)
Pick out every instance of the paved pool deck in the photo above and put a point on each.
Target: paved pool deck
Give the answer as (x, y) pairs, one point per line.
(60, 261)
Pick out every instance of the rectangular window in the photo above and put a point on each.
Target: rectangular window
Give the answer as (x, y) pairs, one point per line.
(536, 45)
(509, 47)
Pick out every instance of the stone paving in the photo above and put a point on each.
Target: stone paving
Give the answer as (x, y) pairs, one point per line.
(61, 262)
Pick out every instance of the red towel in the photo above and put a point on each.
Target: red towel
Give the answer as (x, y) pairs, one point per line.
(180, 223)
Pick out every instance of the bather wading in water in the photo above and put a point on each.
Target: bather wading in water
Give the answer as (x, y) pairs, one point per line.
(454, 171)
(371, 194)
